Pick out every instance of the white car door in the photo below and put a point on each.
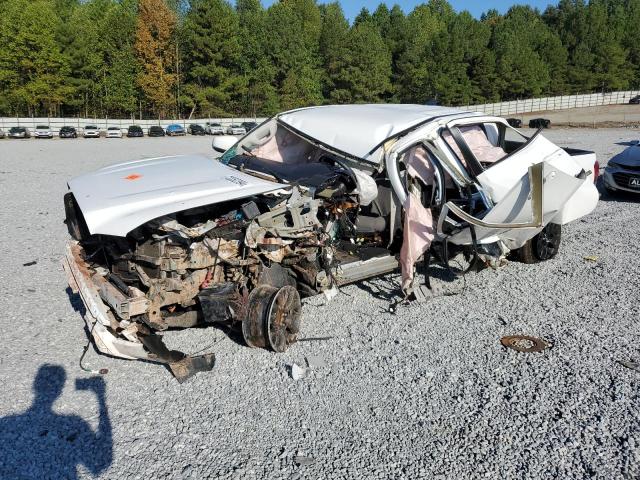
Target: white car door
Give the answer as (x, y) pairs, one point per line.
(529, 186)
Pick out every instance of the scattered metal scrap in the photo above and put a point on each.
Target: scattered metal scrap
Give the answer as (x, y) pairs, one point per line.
(630, 364)
(525, 343)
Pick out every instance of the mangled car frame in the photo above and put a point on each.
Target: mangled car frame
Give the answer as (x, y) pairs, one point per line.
(310, 200)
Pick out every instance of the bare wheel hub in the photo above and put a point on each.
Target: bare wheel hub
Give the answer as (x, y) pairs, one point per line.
(273, 317)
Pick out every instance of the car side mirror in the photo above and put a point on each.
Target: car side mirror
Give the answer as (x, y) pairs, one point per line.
(223, 143)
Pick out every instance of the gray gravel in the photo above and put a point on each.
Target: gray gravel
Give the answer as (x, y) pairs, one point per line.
(428, 393)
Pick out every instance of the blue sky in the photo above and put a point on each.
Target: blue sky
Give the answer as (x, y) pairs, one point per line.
(352, 7)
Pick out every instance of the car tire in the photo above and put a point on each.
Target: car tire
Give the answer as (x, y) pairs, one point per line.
(544, 246)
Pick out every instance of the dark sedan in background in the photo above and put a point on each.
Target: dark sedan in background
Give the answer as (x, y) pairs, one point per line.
(622, 173)
(155, 131)
(19, 132)
(68, 132)
(195, 129)
(248, 126)
(135, 131)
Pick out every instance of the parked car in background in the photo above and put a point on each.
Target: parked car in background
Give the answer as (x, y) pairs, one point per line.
(155, 131)
(68, 132)
(135, 131)
(213, 128)
(91, 131)
(175, 130)
(623, 171)
(195, 129)
(236, 130)
(514, 122)
(312, 199)
(19, 132)
(1, 133)
(248, 126)
(43, 131)
(114, 132)
(635, 100)
(539, 123)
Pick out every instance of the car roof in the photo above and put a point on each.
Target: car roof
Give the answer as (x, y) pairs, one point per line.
(360, 129)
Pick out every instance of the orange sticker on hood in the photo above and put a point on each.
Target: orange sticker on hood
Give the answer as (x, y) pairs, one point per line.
(133, 176)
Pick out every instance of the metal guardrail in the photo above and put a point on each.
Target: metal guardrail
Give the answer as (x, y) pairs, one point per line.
(563, 102)
(103, 123)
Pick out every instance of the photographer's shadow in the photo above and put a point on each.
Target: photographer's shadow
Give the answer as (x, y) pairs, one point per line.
(41, 443)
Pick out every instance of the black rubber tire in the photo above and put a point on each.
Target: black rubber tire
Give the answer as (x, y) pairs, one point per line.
(544, 246)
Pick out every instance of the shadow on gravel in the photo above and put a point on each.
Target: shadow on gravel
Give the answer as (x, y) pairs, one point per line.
(619, 196)
(40, 443)
(630, 143)
(76, 302)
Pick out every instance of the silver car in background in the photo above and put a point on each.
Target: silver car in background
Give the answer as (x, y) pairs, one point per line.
(91, 131)
(43, 131)
(623, 171)
(213, 128)
(114, 132)
(236, 130)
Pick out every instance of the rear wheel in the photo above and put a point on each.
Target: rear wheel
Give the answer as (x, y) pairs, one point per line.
(544, 246)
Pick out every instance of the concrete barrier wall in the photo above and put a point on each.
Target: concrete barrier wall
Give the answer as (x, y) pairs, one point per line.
(563, 102)
(79, 123)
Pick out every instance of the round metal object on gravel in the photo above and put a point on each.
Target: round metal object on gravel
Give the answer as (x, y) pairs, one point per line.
(283, 319)
(524, 343)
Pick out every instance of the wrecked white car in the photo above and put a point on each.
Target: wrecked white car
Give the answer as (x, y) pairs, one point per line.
(310, 200)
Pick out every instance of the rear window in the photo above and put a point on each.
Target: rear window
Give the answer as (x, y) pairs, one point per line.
(113, 128)
(91, 127)
(43, 127)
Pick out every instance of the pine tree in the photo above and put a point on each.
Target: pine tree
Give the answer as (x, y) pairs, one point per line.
(363, 73)
(156, 51)
(333, 49)
(33, 70)
(212, 53)
(292, 44)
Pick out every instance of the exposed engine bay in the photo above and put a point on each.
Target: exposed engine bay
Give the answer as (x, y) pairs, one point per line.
(244, 264)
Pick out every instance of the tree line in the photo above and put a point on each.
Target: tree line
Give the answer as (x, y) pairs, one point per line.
(183, 58)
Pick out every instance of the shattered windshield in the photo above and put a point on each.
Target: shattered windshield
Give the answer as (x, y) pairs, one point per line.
(324, 174)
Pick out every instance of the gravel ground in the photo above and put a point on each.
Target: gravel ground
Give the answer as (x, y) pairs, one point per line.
(426, 393)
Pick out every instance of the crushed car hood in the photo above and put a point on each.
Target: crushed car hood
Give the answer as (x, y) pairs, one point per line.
(116, 199)
(630, 157)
